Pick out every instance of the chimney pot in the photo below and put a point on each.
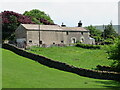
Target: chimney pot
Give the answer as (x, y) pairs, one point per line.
(80, 24)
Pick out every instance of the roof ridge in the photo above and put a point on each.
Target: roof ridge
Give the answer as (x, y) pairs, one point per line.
(52, 27)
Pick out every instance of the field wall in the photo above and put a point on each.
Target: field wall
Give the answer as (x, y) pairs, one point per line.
(63, 66)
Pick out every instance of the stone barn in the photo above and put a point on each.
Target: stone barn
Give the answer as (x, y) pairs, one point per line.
(47, 35)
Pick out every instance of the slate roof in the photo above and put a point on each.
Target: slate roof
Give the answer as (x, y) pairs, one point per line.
(52, 27)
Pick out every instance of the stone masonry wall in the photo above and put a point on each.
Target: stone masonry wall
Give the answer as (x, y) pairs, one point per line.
(63, 66)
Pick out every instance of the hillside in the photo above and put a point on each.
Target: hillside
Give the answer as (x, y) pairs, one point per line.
(83, 58)
(20, 72)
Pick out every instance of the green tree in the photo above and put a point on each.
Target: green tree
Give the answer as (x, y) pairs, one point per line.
(9, 28)
(114, 53)
(109, 32)
(95, 33)
(11, 20)
(37, 15)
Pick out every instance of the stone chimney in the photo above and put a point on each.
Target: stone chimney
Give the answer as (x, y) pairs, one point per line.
(63, 25)
(80, 24)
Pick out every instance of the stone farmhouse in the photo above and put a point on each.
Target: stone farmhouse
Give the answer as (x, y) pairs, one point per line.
(47, 35)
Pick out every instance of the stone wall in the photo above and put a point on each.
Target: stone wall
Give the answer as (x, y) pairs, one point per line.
(63, 66)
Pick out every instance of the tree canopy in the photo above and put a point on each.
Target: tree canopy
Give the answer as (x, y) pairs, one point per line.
(108, 36)
(11, 20)
(109, 32)
(95, 33)
(114, 53)
(39, 17)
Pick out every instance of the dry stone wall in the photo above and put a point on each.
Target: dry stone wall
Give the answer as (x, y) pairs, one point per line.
(63, 66)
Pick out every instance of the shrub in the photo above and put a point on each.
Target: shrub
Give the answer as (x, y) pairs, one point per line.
(114, 53)
(108, 41)
(87, 46)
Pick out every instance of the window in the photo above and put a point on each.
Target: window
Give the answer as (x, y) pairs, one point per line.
(40, 42)
(82, 39)
(67, 33)
(73, 40)
(30, 41)
(62, 41)
(82, 33)
(53, 43)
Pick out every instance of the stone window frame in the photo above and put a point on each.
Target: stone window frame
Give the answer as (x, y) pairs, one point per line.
(62, 41)
(75, 39)
(30, 41)
(82, 39)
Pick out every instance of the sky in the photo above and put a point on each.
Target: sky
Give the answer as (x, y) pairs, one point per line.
(70, 12)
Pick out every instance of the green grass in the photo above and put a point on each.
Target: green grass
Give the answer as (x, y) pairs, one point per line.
(0, 69)
(84, 58)
(20, 72)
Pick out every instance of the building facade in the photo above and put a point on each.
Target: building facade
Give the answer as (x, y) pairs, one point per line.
(47, 35)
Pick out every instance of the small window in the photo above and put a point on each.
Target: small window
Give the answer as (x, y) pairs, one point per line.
(40, 42)
(30, 41)
(53, 43)
(73, 40)
(62, 41)
(82, 40)
(82, 33)
(67, 33)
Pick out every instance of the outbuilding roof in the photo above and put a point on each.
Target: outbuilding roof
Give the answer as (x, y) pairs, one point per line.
(51, 27)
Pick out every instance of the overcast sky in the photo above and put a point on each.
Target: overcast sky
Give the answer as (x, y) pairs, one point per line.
(91, 12)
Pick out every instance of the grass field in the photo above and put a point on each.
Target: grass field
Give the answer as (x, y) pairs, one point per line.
(20, 72)
(84, 58)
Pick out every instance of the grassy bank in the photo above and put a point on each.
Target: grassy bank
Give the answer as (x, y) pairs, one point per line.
(20, 72)
(84, 58)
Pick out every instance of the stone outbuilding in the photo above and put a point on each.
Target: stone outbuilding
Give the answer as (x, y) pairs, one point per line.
(47, 35)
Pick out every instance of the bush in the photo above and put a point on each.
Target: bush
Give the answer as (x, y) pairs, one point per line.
(114, 53)
(108, 41)
(87, 46)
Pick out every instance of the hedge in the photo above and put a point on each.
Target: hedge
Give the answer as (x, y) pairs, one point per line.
(88, 46)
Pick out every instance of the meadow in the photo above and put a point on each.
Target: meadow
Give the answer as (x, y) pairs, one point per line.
(76, 56)
(21, 72)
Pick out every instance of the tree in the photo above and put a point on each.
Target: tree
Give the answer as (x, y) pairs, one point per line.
(114, 53)
(95, 33)
(109, 32)
(39, 17)
(10, 21)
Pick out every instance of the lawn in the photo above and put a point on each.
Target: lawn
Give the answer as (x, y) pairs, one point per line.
(84, 58)
(20, 72)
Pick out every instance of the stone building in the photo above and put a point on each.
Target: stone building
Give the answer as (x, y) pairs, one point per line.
(47, 35)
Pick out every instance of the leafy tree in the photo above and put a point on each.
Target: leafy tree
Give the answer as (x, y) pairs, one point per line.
(95, 33)
(114, 53)
(39, 17)
(10, 21)
(109, 32)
